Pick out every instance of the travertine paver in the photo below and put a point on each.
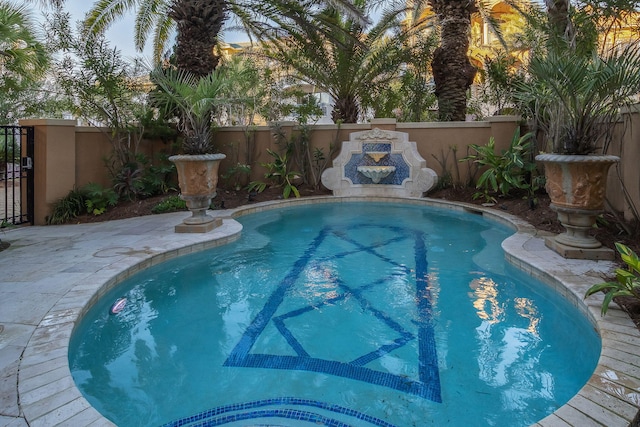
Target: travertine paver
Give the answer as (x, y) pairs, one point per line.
(50, 275)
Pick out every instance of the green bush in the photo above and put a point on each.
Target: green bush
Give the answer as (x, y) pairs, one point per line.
(98, 199)
(170, 204)
(92, 199)
(68, 208)
(139, 178)
(279, 175)
(510, 170)
(627, 282)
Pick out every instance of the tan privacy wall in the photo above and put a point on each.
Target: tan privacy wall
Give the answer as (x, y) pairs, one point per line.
(67, 156)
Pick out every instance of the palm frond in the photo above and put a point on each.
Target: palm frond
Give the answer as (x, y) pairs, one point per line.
(106, 12)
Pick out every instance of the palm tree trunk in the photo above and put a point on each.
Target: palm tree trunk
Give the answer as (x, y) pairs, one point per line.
(558, 13)
(345, 110)
(452, 72)
(198, 25)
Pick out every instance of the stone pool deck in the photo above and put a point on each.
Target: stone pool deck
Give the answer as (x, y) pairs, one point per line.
(49, 275)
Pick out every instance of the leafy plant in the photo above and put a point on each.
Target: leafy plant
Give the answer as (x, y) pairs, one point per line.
(234, 174)
(128, 181)
(509, 170)
(157, 178)
(24, 62)
(68, 207)
(627, 283)
(100, 86)
(140, 178)
(500, 77)
(573, 90)
(170, 204)
(98, 199)
(279, 175)
(192, 99)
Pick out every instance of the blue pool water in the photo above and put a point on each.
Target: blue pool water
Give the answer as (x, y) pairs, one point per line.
(351, 314)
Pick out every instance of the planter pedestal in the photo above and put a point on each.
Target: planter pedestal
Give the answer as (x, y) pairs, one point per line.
(576, 186)
(199, 221)
(576, 243)
(198, 180)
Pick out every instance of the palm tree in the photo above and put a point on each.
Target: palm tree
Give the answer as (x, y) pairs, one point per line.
(23, 61)
(339, 53)
(558, 15)
(452, 71)
(193, 100)
(22, 57)
(198, 24)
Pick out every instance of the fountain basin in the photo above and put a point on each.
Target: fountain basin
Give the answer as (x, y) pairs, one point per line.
(377, 155)
(376, 173)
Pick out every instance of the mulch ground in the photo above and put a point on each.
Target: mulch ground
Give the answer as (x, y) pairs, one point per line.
(608, 230)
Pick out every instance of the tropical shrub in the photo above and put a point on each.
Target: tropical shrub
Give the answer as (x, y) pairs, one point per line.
(98, 199)
(279, 175)
(68, 207)
(140, 178)
(92, 199)
(509, 170)
(235, 175)
(627, 283)
(170, 204)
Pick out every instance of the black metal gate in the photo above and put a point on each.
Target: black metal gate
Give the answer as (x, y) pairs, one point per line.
(16, 175)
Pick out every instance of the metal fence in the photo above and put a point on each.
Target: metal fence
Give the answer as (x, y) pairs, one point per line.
(16, 175)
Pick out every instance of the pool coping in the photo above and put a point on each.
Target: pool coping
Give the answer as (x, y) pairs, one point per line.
(47, 395)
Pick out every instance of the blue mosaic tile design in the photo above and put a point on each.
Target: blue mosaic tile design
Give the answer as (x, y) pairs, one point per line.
(285, 407)
(376, 146)
(401, 173)
(428, 383)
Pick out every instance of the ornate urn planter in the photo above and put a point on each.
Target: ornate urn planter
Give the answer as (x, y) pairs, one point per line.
(198, 180)
(576, 185)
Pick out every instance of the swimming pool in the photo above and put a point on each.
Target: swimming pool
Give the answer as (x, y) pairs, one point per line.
(358, 314)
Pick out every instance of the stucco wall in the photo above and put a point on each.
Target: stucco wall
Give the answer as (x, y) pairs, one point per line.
(68, 156)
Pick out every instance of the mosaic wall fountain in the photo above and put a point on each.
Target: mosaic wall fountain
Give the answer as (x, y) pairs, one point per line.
(379, 163)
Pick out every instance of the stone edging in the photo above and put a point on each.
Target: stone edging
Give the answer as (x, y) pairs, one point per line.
(48, 395)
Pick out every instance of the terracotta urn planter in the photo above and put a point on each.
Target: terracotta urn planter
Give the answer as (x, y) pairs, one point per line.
(198, 180)
(576, 185)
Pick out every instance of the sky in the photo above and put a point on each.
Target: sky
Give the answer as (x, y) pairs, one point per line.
(120, 34)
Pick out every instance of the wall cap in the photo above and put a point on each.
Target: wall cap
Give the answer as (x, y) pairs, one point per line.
(48, 122)
(383, 121)
(439, 125)
(501, 119)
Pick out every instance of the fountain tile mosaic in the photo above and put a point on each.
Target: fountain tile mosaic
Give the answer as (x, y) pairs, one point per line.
(401, 173)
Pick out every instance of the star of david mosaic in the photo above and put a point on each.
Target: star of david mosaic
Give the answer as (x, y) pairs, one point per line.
(291, 315)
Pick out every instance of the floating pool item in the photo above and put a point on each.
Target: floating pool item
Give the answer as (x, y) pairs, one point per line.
(118, 306)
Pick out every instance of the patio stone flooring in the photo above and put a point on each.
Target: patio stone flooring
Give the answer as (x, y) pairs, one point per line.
(50, 275)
